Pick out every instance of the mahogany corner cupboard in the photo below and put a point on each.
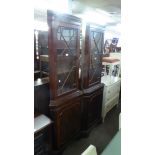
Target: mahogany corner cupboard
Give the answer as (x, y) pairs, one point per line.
(91, 75)
(65, 103)
(73, 100)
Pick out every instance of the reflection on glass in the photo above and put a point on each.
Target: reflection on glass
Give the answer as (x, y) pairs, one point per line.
(66, 59)
(95, 57)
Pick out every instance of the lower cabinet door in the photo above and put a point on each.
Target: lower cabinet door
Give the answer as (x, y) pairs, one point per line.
(66, 115)
(70, 122)
(91, 108)
(94, 108)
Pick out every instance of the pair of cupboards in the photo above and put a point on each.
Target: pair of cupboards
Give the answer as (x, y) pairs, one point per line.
(74, 76)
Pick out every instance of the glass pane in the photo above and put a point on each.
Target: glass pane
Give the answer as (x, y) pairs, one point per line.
(43, 53)
(95, 57)
(43, 42)
(66, 59)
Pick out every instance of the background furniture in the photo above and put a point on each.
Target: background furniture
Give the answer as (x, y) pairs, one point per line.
(44, 70)
(110, 93)
(112, 83)
(42, 96)
(41, 54)
(36, 62)
(113, 66)
(42, 135)
(110, 46)
(93, 38)
(91, 150)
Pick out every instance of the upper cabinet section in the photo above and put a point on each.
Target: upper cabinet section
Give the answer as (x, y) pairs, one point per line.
(64, 46)
(93, 52)
(96, 42)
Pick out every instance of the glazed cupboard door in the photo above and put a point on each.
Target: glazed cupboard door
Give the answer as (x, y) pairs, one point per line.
(93, 36)
(64, 42)
(96, 53)
(66, 54)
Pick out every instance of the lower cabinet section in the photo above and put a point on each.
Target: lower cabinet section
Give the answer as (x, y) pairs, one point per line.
(74, 114)
(69, 122)
(66, 114)
(91, 107)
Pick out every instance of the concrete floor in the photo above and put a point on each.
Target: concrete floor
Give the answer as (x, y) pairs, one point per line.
(100, 136)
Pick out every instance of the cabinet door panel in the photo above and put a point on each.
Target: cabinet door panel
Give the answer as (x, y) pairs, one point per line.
(64, 48)
(94, 108)
(69, 118)
(66, 58)
(96, 39)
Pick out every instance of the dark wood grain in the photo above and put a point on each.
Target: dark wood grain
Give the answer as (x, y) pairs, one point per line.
(66, 113)
(91, 107)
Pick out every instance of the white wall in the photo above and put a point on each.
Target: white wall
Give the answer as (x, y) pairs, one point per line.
(41, 7)
(113, 32)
